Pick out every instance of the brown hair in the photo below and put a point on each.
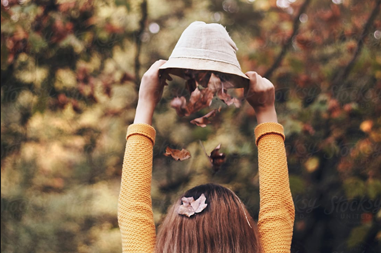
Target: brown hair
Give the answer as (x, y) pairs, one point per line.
(224, 226)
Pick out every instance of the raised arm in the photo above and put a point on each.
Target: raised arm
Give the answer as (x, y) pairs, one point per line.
(277, 211)
(276, 215)
(135, 215)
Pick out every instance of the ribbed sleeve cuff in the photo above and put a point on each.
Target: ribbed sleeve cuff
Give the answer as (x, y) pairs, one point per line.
(142, 129)
(266, 128)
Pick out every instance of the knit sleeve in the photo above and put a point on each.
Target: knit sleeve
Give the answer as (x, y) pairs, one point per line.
(277, 211)
(135, 216)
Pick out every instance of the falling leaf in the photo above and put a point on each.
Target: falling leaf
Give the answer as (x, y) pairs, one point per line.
(227, 99)
(178, 155)
(216, 158)
(191, 85)
(214, 83)
(198, 100)
(203, 78)
(204, 120)
(180, 104)
(226, 80)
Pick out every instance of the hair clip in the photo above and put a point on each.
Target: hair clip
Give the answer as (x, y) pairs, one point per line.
(190, 206)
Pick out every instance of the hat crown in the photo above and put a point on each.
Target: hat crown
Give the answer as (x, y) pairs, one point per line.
(208, 42)
(206, 47)
(203, 36)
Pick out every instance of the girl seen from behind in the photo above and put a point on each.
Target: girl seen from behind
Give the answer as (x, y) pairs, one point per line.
(208, 218)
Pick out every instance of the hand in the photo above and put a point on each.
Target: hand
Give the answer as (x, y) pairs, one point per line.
(261, 96)
(151, 86)
(150, 92)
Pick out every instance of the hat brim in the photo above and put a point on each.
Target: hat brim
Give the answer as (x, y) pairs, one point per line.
(176, 66)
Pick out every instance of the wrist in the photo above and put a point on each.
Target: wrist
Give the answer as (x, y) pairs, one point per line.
(144, 113)
(266, 115)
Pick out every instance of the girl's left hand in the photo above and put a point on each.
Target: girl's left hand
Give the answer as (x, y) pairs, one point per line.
(150, 92)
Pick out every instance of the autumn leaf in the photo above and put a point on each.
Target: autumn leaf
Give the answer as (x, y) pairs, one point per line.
(178, 155)
(220, 83)
(191, 85)
(190, 206)
(180, 105)
(186, 210)
(216, 158)
(203, 78)
(227, 81)
(227, 99)
(198, 100)
(204, 120)
(214, 83)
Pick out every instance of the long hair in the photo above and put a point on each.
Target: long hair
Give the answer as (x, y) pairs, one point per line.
(224, 226)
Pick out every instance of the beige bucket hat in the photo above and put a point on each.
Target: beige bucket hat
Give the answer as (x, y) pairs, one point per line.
(206, 47)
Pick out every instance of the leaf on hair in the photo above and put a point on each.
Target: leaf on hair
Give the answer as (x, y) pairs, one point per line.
(190, 206)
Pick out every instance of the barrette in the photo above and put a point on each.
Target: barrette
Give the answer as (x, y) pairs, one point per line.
(190, 206)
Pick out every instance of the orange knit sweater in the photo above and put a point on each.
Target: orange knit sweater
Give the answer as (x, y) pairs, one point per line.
(276, 215)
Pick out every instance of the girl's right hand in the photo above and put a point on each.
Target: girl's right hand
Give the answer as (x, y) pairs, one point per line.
(261, 96)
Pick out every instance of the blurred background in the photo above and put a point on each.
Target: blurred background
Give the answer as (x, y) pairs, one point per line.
(70, 73)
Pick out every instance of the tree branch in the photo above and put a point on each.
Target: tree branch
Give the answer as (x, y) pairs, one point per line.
(138, 41)
(342, 75)
(295, 28)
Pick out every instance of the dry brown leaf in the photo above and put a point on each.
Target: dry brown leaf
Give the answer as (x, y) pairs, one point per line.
(191, 206)
(199, 99)
(191, 85)
(178, 155)
(214, 83)
(204, 120)
(227, 99)
(217, 158)
(226, 81)
(186, 210)
(180, 104)
(203, 78)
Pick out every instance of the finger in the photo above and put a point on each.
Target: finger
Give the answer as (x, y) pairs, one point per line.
(250, 72)
(156, 65)
(160, 62)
